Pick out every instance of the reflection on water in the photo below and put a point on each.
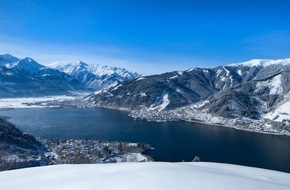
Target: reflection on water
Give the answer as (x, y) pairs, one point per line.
(174, 141)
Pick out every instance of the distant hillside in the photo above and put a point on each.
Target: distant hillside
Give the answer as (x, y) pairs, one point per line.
(237, 95)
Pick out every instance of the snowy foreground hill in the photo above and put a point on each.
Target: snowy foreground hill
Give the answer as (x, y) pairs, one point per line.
(145, 176)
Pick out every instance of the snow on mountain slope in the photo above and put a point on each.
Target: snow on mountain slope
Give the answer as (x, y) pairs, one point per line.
(280, 113)
(263, 62)
(276, 85)
(162, 106)
(144, 176)
(95, 76)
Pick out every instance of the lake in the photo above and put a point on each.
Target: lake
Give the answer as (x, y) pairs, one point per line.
(173, 141)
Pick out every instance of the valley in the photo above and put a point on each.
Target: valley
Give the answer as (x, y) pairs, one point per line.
(251, 96)
(173, 141)
(147, 95)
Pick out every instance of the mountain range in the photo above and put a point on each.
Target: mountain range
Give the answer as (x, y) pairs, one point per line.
(253, 95)
(26, 77)
(96, 77)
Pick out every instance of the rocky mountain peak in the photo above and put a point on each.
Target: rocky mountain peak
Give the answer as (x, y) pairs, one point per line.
(95, 76)
(7, 59)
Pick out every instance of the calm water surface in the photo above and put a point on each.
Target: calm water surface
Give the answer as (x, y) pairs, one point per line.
(173, 141)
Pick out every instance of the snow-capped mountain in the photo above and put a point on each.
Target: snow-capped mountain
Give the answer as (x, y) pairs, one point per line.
(26, 77)
(97, 77)
(252, 96)
(263, 62)
(261, 104)
(181, 88)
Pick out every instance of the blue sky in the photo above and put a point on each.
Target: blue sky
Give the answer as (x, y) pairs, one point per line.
(147, 36)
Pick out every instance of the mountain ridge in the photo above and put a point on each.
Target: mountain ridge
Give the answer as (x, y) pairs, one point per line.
(263, 62)
(26, 77)
(237, 96)
(95, 76)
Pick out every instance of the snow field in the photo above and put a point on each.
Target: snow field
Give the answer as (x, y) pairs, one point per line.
(144, 176)
(22, 102)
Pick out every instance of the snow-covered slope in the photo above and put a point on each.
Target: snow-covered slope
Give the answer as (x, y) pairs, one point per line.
(263, 62)
(95, 76)
(145, 176)
(281, 111)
